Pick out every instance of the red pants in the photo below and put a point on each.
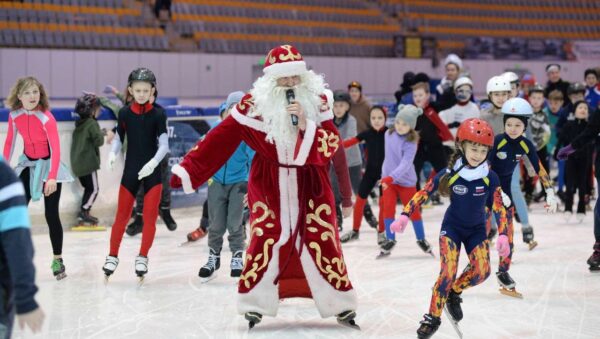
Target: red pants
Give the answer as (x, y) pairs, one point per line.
(390, 197)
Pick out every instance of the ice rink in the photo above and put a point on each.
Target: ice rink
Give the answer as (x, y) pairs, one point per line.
(561, 297)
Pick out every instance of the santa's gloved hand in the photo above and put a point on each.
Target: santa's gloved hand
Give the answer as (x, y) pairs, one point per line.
(502, 246)
(551, 201)
(399, 225)
(506, 200)
(147, 169)
(564, 152)
(112, 158)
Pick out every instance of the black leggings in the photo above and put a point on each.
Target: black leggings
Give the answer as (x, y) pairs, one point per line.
(437, 156)
(90, 190)
(50, 212)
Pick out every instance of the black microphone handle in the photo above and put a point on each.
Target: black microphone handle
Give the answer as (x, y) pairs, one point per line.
(294, 120)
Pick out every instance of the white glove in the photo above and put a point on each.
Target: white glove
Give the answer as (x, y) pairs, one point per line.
(551, 201)
(147, 169)
(506, 200)
(112, 158)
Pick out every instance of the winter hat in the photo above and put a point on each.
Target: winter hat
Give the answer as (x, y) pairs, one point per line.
(408, 114)
(453, 59)
(284, 61)
(420, 77)
(232, 99)
(355, 84)
(552, 67)
(342, 96)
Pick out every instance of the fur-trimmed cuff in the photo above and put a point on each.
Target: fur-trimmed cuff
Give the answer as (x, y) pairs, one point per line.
(307, 141)
(324, 116)
(186, 183)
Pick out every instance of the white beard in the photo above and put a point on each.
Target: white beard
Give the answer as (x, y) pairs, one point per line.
(270, 102)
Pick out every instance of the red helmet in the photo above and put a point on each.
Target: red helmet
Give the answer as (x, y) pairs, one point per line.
(476, 130)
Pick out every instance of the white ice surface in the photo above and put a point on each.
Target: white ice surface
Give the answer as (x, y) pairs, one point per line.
(561, 297)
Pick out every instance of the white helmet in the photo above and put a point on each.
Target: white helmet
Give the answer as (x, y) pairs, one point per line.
(518, 107)
(463, 80)
(511, 77)
(497, 84)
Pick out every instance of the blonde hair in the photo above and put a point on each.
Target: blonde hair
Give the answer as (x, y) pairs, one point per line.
(19, 87)
(421, 85)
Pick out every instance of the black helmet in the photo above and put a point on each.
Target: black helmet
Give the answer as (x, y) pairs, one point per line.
(142, 74)
(87, 105)
(537, 88)
(341, 96)
(576, 87)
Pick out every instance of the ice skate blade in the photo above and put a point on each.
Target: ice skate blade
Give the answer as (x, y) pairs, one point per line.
(382, 255)
(209, 278)
(454, 323)
(532, 244)
(431, 254)
(141, 280)
(88, 228)
(253, 319)
(185, 244)
(350, 324)
(60, 276)
(511, 292)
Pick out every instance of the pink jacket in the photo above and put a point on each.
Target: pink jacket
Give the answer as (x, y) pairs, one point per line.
(40, 136)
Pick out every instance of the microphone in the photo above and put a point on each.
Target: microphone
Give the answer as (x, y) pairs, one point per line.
(290, 96)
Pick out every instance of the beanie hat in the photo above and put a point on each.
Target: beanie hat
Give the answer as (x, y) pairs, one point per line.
(342, 96)
(232, 99)
(355, 84)
(453, 59)
(408, 114)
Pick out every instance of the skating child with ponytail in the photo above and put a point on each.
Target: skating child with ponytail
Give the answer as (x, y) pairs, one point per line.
(473, 189)
(374, 138)
(399, 179)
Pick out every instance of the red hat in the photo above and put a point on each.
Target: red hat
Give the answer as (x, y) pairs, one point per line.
(476, 130)
(284, 61)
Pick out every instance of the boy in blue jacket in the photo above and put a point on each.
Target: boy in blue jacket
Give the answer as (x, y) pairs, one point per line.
(226, 199)
(17, 273)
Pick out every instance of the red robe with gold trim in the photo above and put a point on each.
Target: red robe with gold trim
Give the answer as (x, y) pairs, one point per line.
(294, 248)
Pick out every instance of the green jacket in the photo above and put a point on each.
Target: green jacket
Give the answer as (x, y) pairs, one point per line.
(85, 151)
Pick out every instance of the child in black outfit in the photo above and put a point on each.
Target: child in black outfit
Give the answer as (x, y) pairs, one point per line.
(579, 165)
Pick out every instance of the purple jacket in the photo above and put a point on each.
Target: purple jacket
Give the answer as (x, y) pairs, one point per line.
(399, 157)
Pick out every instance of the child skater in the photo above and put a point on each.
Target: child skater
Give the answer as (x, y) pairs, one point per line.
(509, 148)
(39, 166)
(579, 165)
(375, 142)
(145, 127)
(85, 153)
(473, 188)
(398, 174)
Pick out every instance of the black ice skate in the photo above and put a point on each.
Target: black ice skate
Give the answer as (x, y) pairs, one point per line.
(528, 237)
(253, 318)
(87, 222)
(386, 248)
(429, 325)
(209, 270)
(237, 264)
(141, 267)
(381, 238)
(346, 318)
(453, 306)
(425, 247)
(436, 200)
(507, 285)
(136, 226)
(349, 236)
(340, 217)
(594, 260)
(110, 265)
(369, 217)
(165, 215)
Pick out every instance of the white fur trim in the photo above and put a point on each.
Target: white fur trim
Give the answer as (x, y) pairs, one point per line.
(247, 121)
(285, 69)
(328, 300)
(264, 296)
(307, 141)
(186, 183)
(324, 116)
